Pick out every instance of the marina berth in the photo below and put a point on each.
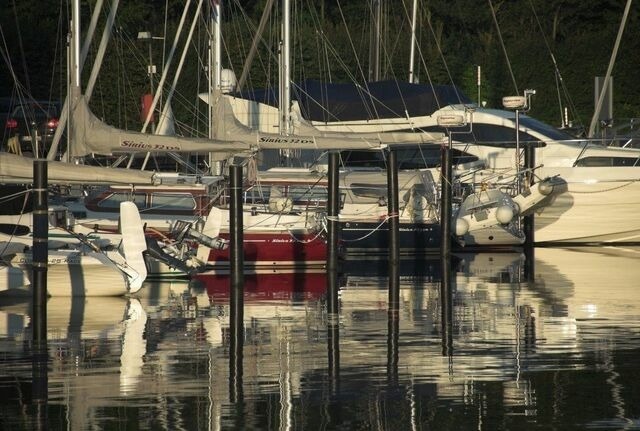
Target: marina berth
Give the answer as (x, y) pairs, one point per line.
(602, 183)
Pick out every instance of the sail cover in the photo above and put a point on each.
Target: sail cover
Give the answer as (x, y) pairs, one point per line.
(92, 136)
(16, 169)
(304, 135)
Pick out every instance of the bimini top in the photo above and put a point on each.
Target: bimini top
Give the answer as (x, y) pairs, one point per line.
(329, 102)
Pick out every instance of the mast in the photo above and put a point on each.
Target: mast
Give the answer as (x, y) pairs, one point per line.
(376, 35)
(285, 70)
(414, 14)
(75, 40)
(215, 74)
(607, 78)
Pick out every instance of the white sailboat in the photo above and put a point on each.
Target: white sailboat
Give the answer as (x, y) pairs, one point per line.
(82, 268)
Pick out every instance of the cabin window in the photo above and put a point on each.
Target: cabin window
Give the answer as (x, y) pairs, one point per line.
(607, 161)
(258, 194)
(169, 201)
(375, 191)
(307, 194)
(114, 200)
(409, 157)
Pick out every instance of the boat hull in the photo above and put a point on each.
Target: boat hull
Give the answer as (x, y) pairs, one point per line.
(372, 238)
(274, 251)
(590, 211)
(69, 273)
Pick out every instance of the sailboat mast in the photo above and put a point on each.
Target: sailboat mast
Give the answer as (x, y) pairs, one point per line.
(215, 74)
(75, 18)
(412, 52)
(376, 35)
(285, 70)
(607, 78)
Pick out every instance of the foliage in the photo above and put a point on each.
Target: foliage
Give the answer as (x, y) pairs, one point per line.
(331, 41)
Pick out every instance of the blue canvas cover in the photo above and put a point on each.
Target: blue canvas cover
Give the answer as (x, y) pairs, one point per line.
(328, 102)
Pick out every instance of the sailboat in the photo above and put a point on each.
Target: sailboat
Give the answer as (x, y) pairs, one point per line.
(81, 268)
(602, 190)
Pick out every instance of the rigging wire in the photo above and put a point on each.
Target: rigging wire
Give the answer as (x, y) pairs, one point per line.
(21, 48)
(560, 84)
(504, 49)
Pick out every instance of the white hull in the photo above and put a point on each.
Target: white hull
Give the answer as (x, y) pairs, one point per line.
(604, 211)
(601, 202)
(69, 273)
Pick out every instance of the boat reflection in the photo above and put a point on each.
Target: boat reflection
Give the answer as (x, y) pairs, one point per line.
(161, 360)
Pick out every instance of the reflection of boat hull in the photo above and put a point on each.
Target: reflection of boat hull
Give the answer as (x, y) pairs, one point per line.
(308, 285)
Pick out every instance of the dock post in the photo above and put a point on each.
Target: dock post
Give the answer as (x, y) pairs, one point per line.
(236, 257)
(529, 220)
(39, 260)
(529, 161)
(393, 318)
(333, 233)
(445, 200)
(394, 229)
(40, 254)
(333, 227)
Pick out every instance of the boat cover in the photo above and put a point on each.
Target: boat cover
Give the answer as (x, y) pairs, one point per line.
(329, 102)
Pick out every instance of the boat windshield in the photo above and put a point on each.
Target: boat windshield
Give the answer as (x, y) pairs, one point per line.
(545, 129)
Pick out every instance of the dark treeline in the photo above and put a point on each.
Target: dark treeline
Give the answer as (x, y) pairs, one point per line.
(332, 41)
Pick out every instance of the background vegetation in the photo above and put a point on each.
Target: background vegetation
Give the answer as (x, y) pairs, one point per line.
(332, 40)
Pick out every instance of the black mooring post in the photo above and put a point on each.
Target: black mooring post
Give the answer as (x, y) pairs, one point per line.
(529, 162)
(393, 322)
(40, 254)
(394, 229)
(445, 201)
(236, 252)
(39, 276)
(333, 232)
(529, 220)
(333, 227)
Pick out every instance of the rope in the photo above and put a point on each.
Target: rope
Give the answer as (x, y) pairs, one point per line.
(374, 230)
(606, 190)
(504, 49)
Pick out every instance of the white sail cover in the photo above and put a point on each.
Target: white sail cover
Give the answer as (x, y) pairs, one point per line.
(92, 136)
(305, 135)
(16, 169)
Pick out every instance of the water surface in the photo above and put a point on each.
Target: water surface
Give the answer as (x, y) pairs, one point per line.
(555, 348)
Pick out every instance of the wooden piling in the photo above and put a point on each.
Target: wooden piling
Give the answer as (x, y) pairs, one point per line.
(333, 228)
(394, 229)
(236, 261)
(40, 253)
(445, 201)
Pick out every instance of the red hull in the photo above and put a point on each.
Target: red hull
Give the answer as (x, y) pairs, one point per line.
(270, 249)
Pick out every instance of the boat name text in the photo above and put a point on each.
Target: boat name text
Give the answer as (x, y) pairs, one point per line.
(264, 139)
(148, 147)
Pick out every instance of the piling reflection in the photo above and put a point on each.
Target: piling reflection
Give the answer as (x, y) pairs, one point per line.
(518, 354)
(446, 309)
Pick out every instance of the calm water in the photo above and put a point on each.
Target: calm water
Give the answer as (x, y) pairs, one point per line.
(558, 352)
